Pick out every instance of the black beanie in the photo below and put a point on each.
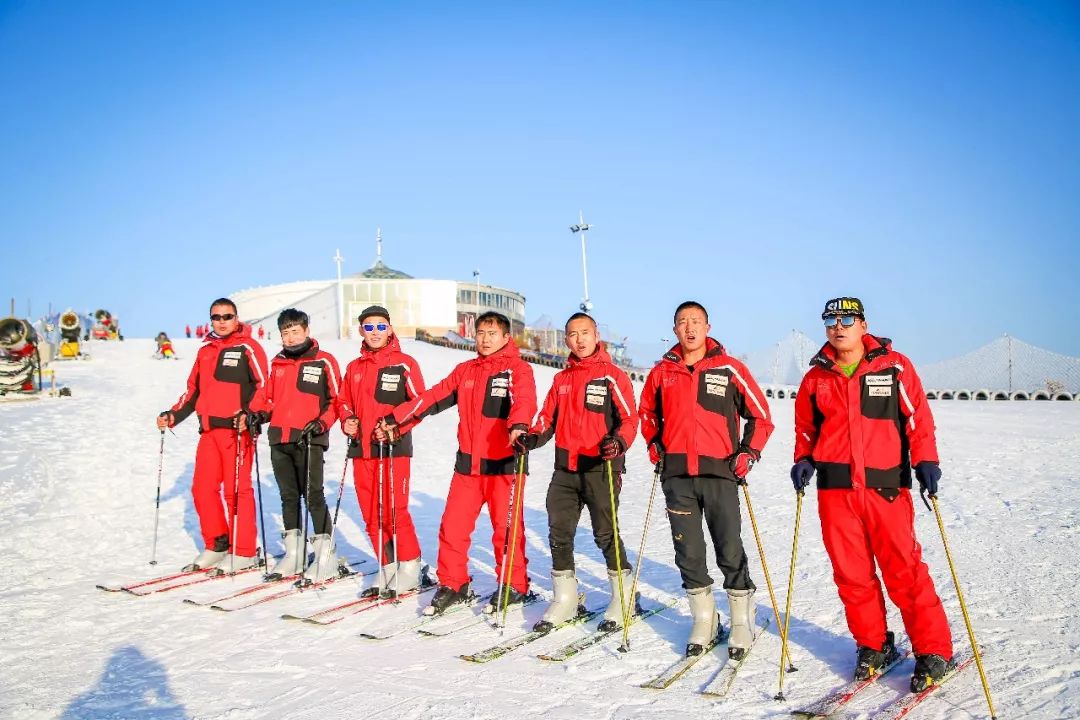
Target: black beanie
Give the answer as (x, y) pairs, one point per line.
(377, 310)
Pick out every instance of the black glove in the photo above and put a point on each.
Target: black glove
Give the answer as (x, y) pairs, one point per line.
(611, 447)
(526, 442)
(313, 428)
(255, 421)
(928, 473)
(742, 462)
(801, 472)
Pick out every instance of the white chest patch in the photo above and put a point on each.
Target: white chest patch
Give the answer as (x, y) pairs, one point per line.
(716, 384)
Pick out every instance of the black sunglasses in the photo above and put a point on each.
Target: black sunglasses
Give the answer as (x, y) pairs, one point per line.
(219, 318)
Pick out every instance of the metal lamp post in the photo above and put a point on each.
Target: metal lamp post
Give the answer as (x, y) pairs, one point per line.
(581, 227)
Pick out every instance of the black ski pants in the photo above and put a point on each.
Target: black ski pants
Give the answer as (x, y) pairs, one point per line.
(288, 461)
(689, 499)
(567, 494)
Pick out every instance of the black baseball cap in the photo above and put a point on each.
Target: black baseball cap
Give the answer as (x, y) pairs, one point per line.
(374, 311)
(838, 307)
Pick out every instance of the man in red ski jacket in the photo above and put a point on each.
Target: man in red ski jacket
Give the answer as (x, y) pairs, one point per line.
(229, 369)
(496, 398)
(300, 404)
(590, 411)
(861, 422)
(690, 409)
(376, 382)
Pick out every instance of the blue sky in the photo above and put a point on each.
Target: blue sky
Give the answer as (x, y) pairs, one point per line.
(758, 157)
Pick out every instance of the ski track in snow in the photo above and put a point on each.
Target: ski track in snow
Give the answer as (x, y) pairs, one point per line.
(77, 483)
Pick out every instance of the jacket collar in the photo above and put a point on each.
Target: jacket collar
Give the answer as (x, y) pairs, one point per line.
(874, 346)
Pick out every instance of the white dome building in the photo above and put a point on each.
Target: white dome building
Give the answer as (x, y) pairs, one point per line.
(437, 306)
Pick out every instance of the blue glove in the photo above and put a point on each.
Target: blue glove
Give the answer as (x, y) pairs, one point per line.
(801, 472)
(928, 473)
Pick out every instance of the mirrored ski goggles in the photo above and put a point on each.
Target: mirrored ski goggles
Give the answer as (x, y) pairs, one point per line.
(845, 320)
(219, 318)
(369, 327)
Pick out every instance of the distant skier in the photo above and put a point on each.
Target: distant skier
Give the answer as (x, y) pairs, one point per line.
(187, 331)
(300, 404)
(496, 398)
(590, 411)
(690, 411)
(861, 422)
(229, 369)
(262, 332)
(199, 332)
(164, 346)
(376, 382)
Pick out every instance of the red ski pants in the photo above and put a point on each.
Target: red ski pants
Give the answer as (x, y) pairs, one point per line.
(366, 477)
(215, 475)
(860, 527)
(468, 494)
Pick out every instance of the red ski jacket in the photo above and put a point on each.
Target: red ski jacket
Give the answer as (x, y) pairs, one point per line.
(375, 383)
(590, 398)
(493, 394)
(867, 430)
(301, 389)
(227, 373)
(695, 413)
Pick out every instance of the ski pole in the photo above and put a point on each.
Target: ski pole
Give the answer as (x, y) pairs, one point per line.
(341, 490)
(382, 540)
(157, 502)
(790, 586)
(393, 514)
(625, 647)
(304, 508)
(618, 549)
(511, 532)
(765, 568)
(258, 492)
(963, 609)
(236, 501)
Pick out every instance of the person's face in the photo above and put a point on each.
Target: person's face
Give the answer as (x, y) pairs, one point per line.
(582, 337)
(224, 326)
(490, 338)
(844, 339)
(376, 331)
(294, 335)
(691, 328)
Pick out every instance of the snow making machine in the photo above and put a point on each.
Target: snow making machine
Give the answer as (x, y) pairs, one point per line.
(70, 336)
(22, 356)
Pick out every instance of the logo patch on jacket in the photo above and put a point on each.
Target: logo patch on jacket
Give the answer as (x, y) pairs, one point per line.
(390, 382)
(231, 358)
(879, 385)
(312, 373)
(499, 386)
(595, 394)
(716, 383)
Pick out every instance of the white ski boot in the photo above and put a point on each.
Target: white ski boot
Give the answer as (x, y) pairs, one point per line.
(566, 603)
(706, 621)
(742, 622)
(210, 557)
(324, 565)
(613, 616)
(295, 555)
(235, 563)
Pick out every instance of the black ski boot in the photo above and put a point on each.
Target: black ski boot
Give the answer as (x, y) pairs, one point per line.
(871, 661)
(446, 597)
(499, 597)
(929, 669)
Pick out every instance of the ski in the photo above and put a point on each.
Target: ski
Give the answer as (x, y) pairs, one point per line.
(477, 619)
(293, 589)
(598, 636)
(161, 579)
(200, 576)
(497, 651)
(725, 677)
(415, 623)
(835, 701)
(261, 585)
(337, 613)
(667, 678)
(907, 702)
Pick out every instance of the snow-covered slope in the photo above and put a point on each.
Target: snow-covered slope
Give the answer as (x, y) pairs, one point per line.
(77, 481)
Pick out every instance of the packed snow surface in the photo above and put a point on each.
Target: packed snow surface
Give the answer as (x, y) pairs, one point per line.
(77, 484)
